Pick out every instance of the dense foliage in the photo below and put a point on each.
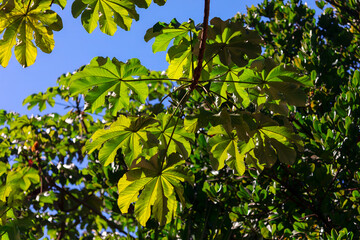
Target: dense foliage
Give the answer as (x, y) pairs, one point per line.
(252, 131)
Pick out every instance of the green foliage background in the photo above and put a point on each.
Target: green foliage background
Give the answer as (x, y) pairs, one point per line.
(252, 131)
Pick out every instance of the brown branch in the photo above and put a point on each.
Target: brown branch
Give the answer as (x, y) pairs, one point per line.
(80, 112)
(62, 231)
(351, 12)
(109, 222)
(199, 67)
(52, 183)
(301, 201)
(322, 197)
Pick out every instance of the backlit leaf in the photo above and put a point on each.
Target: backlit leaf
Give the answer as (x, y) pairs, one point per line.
(231, 41)
(158, 184)
(24, 22)
(104, 78)
(126, 133)
(109, 14)
(180, 141)
(164, 33)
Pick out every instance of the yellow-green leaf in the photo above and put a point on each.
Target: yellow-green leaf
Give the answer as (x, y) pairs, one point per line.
(24, 22)
(128, 134)
(158, 184)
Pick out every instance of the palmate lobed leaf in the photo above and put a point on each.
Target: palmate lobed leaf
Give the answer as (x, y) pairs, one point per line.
(257, 141)
(135, 136)
(104, 76)
(224, 148)
(180, 141)
(233, 84)
(109, 14)
(164, 33)
(261, 82)
(158, 184)
(24, 22)
(126, 133)
(231, 41)
(22, 178)
(41, 99)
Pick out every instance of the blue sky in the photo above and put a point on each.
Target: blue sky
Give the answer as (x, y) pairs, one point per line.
(74, 47)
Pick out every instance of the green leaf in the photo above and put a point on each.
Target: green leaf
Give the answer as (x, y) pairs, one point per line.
(179, 58)
(142, 3)
(3, 168)
(320, 4)
(157, 184)
(164, 33)
(102, 77)
(224, 148)
(41, 99)
(129, 134)
(162, 41)
(25, 51)
(61, 3)
(277, 140)
(356, 79)
(191, 125)
(5, 191)
(22, 178)
(180, 138)
(26, 22)
(8, 41)
(258, 140)
(231, 41)
(233, 84)
(108, 13)
(160, 2)
(77, 8)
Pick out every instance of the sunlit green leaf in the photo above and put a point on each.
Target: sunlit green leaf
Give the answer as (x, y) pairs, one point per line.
(180, 138)
(164, 33)
(158, 183)
(23, 23)
(109, 14)
(126, 133)
(104, 78)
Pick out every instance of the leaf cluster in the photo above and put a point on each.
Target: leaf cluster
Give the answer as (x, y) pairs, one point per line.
(263, 142)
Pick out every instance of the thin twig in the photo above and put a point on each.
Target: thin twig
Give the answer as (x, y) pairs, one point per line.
(177, 121)
(83, 125)
(227, 81)
(351, 12)
(192, 55)
(85, 204)
(52, 183)
(206, 102)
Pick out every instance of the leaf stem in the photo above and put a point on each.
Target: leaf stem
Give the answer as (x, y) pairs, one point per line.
(206, 102)
(5, 212)
(28, 7)
(176, 123)
(156, 79)
(226, 81)
(192, 55)
(213, 56)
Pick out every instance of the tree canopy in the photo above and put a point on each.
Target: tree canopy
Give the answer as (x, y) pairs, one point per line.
(251, 132)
